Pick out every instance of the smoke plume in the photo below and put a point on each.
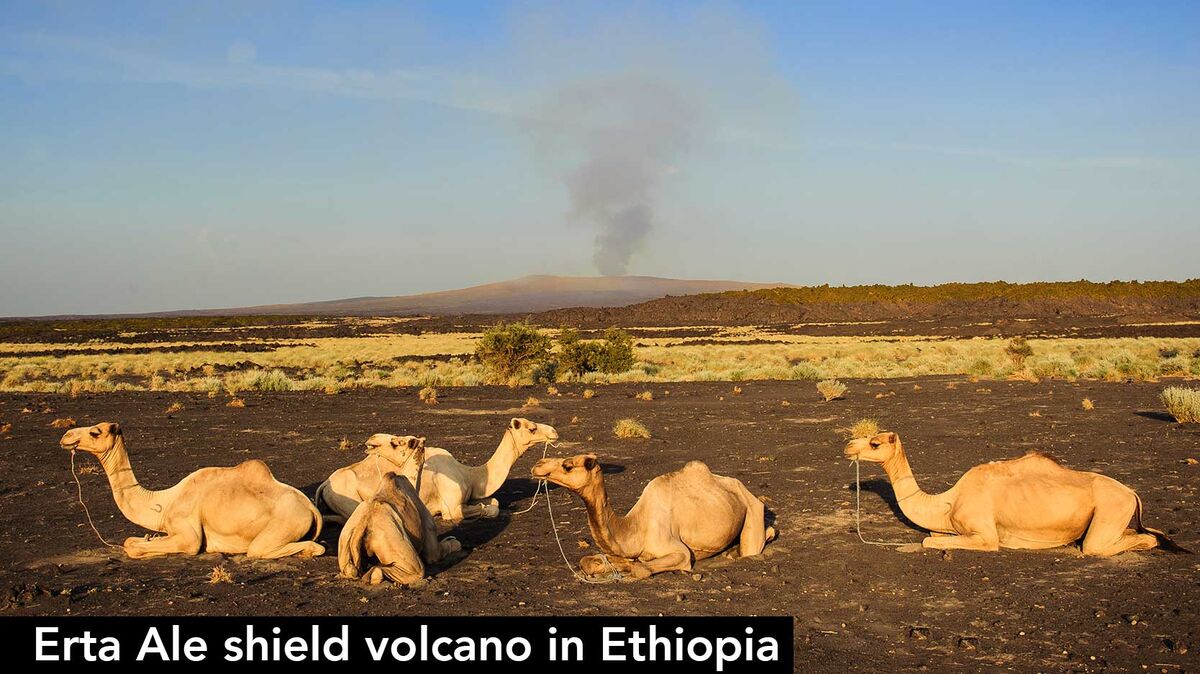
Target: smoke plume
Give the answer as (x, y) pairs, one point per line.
(625, 134)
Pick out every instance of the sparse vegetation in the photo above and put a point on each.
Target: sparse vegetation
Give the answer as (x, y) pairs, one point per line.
(630, 428)
(532, 402)
(863, 428)
(588, 394)
(1018, 350)
(428, 395)
(236, 402)
(831, 389)
(579, 357)
(344, 445)
(64, 422)
(173, 408)
(1183, 403)
(219, 574)
(508, 351)
(644, 395)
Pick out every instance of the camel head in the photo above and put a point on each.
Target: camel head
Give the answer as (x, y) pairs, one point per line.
(876, 449)
(527, 433)
(98, 440)
(398, 449)
(574, 472)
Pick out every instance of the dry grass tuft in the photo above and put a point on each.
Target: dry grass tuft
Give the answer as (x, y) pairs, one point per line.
(831, 389)
(89, 469)
(630, 428)
(64, 422)
(428, 395)
(236, 402)
(552, 391)
(1182, 403)
(219, 574)
(344, 445)
(737, 390)
(785, 404)
(1088, 404)
(588, 394)
(863, 428)
(645, 395)
(173, 408)
(5, 428)
(532, 402)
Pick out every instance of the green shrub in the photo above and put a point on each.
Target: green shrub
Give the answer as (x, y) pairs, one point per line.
(981, 366)
(1133, 367)
(805, 372)
(1182, 403)
(1018, 350)
(507, 351)
(1054, 366)
(611, 356)
(274, 381)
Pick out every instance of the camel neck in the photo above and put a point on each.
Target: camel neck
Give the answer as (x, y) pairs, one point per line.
(133, 500)
(928, 511)
(607, 527)
(486, 479)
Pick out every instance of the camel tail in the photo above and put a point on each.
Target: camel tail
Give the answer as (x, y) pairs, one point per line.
(1164, 541)
(318, 521)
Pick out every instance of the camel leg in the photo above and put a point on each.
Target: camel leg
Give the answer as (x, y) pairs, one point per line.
(488, 507)
(966, 542)
(599, 565)
(677, 560)
(449, 545)
(1107, 535)
(755, 533)
(180, 543)
(278, 540)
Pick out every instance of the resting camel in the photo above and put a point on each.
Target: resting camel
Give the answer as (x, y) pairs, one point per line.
(353, 484)
(391, 534)
(456, 492)
(1028, 503)
(680, 517)
(242, 509)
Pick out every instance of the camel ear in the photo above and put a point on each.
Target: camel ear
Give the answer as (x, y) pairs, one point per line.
(516, 423)
(892, 438)
(590, 462)
(421, 442)
(114, 428)
(412, 443)
(395, 442)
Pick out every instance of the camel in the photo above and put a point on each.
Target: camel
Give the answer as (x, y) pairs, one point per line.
(1029, 503)
(680, 517)
(391, 534)
(350, 485)
(242, 509)
(457, 492)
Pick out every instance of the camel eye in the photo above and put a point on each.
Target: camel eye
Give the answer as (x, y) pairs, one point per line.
(95, 432)
(875, 445)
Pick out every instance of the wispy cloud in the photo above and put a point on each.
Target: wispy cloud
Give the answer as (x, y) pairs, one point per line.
(78, 59)
(1138, 163)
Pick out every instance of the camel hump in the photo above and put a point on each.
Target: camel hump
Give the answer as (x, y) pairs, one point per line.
(255, 469)
(1036, 454)
(698, 467)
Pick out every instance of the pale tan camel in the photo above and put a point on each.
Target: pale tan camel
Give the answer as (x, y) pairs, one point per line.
(1028, 503)
(391, 534)
(242, 509)
(456, 492)
(680, 517)
(350, 485)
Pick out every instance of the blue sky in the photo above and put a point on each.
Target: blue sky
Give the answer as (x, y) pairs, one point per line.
(225, 154)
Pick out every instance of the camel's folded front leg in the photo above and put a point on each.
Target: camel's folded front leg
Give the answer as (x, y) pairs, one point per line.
(488, 507)
(970, 542)
(184, 543)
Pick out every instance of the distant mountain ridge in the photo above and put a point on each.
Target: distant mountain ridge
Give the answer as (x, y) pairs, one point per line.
(526, 294)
